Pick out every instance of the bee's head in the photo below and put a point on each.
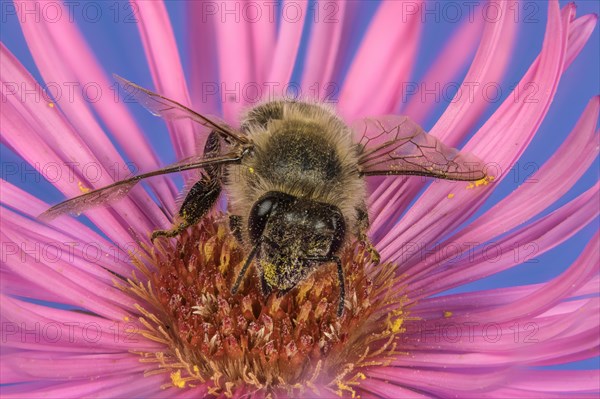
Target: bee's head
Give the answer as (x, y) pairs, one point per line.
(295, 235)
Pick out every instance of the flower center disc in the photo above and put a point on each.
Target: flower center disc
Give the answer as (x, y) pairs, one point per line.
(280, 343)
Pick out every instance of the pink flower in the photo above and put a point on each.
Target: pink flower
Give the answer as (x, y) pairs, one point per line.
(104, 312)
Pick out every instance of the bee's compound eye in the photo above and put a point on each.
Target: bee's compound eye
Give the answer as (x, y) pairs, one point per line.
(258, 218)
(264, 207)
(262, 210)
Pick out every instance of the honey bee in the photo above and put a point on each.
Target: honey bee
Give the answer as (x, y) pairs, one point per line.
(299, 192)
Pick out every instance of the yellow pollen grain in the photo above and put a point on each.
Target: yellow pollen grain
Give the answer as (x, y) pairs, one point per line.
(485, 181)
(251, 169)
(51, 105)
(361, 376)
(395, 325)
(450, 196)
(481, 182)
(447, 314)
(177, 380)
(82, 188)
(343, 387)
(269, 272)
(196, 369)
(126, 318)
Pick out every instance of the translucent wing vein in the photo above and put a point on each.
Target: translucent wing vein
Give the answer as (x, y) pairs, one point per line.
(395, 145)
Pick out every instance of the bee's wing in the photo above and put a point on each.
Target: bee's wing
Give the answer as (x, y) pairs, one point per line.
(120, 189)
(169, 109)
(395, 145)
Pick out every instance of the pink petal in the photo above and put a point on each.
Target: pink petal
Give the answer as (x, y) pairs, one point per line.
(489, 65)
(553, 381)
(65, 152)
(35, 327)
(385, 389)
(236, 60)
(554, 179)
(521, 119)
(504, 393)
(467, 302)
(12, 284)
(165, 65)
(440, 383)
(48, 246)
(34, 366)
(322, 52)
(383, 62)
(288, 43)
(70, 228)
(514, 123)
(121, 386)
(202, 50)
(263, 30)
(545, 233)
(590, 287)
(453, 58)
(76, 287)
(556, 290)
(100, 262)
(74, 58)
(578, 37)
(571, 357)
(573, 384)
(397, 194)
(566, 329)
(189, 393)
(524, 353)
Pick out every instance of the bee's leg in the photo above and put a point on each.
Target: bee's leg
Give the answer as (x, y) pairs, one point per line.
(235, 225)
(196, 204)
(240, 277)
(202, 195)
(362, 224)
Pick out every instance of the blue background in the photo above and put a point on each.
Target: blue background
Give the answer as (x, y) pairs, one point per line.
(118, 47)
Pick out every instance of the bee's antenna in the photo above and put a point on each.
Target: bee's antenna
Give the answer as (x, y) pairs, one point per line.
(251, 256)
